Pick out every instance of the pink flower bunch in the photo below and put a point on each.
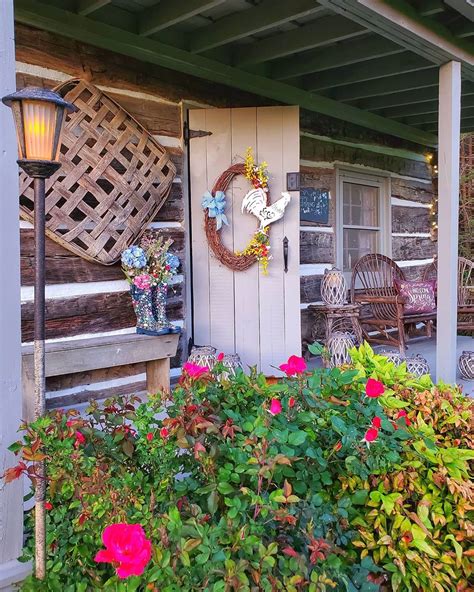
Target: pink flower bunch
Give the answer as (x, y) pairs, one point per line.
(194, 370)
(142, 281)
(126, 548)
(294, 366)
(374, 388)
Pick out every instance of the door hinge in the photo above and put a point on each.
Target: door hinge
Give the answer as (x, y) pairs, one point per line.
(189, 134)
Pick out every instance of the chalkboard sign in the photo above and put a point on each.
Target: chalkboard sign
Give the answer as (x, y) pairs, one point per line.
(314, 205)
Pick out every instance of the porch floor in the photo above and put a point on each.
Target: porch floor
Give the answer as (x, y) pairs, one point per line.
(427, 348)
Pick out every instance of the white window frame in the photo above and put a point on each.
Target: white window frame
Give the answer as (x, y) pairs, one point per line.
(382, 183)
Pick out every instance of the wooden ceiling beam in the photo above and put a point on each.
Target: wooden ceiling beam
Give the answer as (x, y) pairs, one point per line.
(397, 19)
(432, 7)
(419, 95)
(86, 7)
(271, 13)
(66, 23)
(386, 86)
(370, 70)
(422, 108)
(170, 12)
(327, 29)
(343, 54)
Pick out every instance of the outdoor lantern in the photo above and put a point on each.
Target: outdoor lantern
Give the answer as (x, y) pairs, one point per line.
(39, 115)
(333, 287)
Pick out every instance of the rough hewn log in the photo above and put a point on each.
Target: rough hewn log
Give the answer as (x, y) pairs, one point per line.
(310, 288)
(156, 117)
(173, 208)
(93, 313)
(412, 190)
(316, 247)
(405, 248)
(319, 151)
(406, 219)
(64, 267)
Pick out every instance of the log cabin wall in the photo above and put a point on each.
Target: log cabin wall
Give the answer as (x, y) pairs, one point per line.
(84, 298)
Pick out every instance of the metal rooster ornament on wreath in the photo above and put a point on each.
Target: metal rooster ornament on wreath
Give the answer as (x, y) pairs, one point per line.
(256, 202)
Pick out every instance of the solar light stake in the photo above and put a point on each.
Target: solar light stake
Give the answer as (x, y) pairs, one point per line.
(39, 116)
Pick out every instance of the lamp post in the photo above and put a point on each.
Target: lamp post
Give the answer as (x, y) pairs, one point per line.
(39, 115)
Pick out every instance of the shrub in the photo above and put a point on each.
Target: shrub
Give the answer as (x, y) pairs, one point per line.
(317, 482)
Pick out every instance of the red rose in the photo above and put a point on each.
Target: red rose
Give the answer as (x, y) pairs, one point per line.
(164, 433)
(291, 402)
(48, 506)
(149, 436)
(374, 388)
(371, 435)
(80, 439)
(377, 422)
(220, 357)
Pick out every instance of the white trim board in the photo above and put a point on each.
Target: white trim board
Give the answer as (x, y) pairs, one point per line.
(408, 203)
(412, 234)
(54, 291)
(414, 262)
(314, 268)
(326, 229)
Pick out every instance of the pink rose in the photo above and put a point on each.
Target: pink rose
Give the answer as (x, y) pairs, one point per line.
(294, 366)
(275, 407)
(371, 435)
(374, 388)
(142, 281)
(194, 370)
(127, 548)
(377, 422)
(220, 357)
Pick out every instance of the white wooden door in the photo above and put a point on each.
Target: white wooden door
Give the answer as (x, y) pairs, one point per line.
(255, 315)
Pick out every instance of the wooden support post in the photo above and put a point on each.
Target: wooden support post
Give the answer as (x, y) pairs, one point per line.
(448, 219)
(158, 376)
(11, 495)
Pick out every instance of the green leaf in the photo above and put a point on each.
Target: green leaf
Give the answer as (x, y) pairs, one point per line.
(225, 488)
(212, 502)
(297, 438)
(316, 348)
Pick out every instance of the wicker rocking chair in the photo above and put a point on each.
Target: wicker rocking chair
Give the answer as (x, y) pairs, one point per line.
(465, 290)
(373, 284)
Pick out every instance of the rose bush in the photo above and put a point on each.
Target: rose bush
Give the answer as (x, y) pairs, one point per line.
(345, 479)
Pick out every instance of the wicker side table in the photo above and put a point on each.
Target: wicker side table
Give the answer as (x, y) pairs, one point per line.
(343, 317)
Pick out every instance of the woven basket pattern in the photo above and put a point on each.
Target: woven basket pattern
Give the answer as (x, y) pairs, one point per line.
(113, 179)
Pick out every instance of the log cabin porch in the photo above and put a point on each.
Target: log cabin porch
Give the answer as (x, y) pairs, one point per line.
(372, 110)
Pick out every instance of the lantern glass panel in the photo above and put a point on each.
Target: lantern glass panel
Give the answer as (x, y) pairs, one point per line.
(40, 120)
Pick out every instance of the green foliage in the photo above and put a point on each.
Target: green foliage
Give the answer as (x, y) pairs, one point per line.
(236, 499)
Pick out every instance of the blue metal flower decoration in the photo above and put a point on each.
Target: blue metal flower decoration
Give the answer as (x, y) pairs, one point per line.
(215, 205)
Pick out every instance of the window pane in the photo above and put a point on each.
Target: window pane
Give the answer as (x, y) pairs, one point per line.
(358, 243)
(360, 205)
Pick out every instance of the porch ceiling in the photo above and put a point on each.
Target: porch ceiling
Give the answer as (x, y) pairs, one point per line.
(370, 62)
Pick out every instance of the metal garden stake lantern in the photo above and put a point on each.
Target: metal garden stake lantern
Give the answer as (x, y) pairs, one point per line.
(333, 287)
(39, 115)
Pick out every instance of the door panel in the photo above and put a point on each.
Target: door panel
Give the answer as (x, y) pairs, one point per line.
(255, 315)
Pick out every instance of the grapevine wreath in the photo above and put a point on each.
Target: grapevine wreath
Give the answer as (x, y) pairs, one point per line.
(214, 205)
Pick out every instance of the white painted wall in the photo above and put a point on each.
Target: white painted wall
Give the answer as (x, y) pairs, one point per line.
(11, 495)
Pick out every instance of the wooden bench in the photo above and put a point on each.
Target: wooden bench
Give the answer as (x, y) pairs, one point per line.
(83, 355)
